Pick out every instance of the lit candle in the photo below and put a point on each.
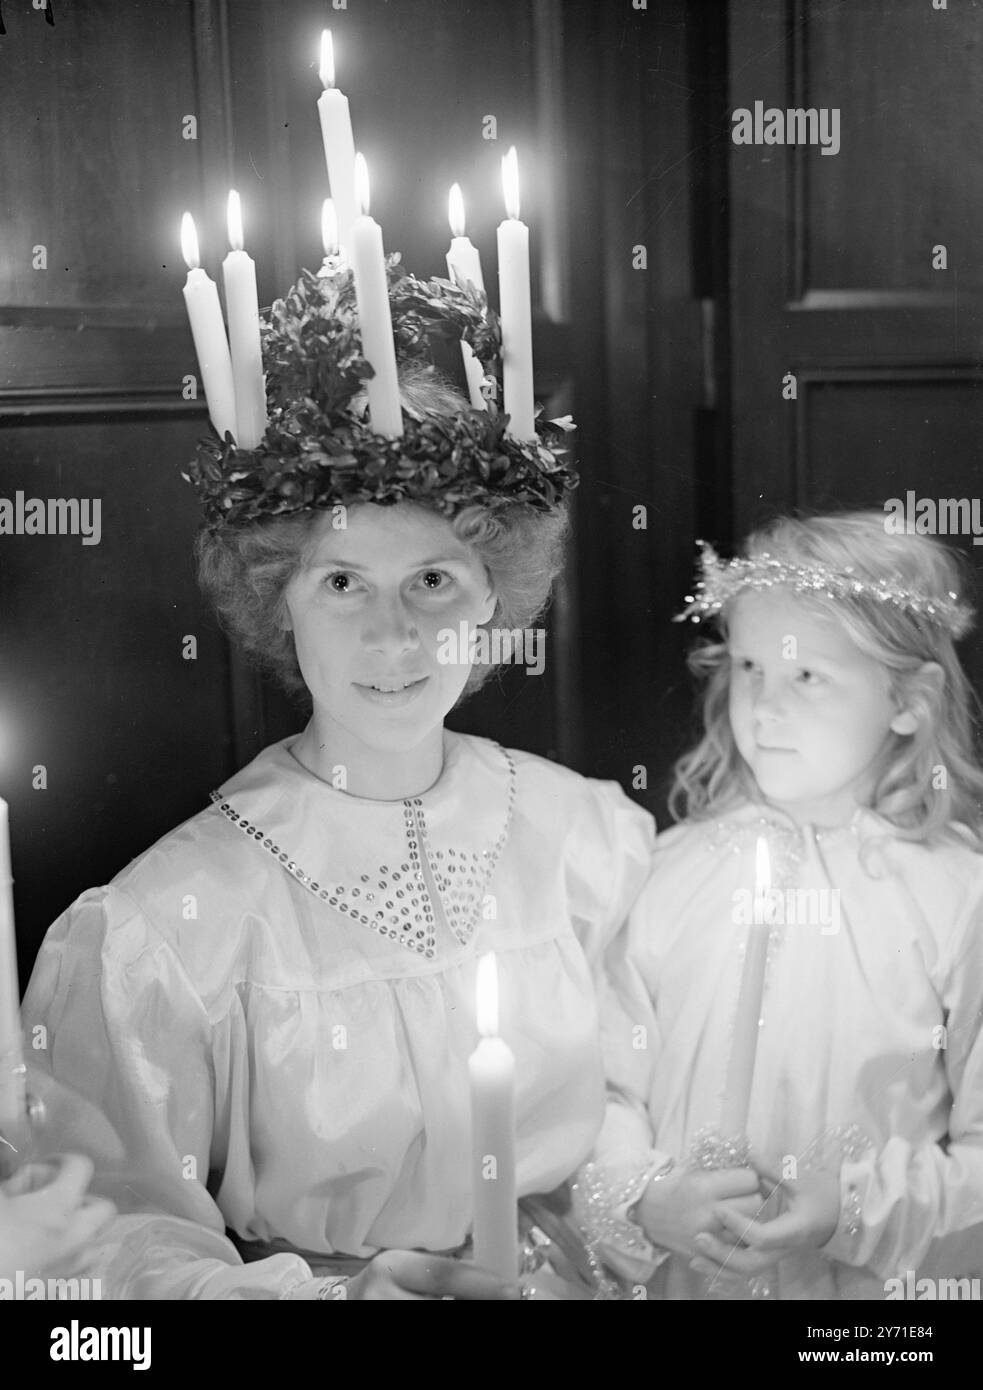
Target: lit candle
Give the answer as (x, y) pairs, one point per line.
(12, 1103)
(464, 265)
(332, 262)
(740, 1072)
(516, 308)
(492, 1072)
(372, 293)
(339, 143)
(242, 305)
(208, 332)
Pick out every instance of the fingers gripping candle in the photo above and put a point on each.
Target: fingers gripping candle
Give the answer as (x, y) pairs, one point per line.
(339, 144)
(740, 1072)
(464, 265)
(208, 332)
(516, 308)
(491, 1068)
(239, 272)
(372, 294)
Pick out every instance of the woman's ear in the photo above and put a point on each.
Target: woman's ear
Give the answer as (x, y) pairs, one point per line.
(924, 687)
(487, 611)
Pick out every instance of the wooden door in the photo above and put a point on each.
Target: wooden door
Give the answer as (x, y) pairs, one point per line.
(836, 269)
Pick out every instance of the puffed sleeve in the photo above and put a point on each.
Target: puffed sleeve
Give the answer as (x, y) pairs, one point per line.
(607, 860)
(120, 1022)
(898, 1201)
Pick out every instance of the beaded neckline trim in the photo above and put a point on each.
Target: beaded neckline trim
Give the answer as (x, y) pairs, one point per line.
(398, 902)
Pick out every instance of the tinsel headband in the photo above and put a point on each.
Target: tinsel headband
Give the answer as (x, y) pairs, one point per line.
(319, 450)
(720, 580)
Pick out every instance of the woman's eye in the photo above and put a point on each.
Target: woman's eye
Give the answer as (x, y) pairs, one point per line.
(744, 664)
(810, 677)
(340, 582)
(435, 579)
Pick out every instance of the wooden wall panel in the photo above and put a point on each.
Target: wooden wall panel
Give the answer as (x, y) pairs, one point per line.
(94, 685)
(909, 105)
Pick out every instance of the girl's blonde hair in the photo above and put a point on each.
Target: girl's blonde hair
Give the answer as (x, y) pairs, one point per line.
(928, 782)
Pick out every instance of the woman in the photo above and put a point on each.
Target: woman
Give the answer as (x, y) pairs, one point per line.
(275, 1004)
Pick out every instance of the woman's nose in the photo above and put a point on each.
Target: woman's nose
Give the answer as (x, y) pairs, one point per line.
(390, 627)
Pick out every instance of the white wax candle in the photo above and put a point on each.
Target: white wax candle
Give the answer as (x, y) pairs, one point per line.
(744, 1044)
(516, 309)
(375, 322)
(339, 143)
(242, 305)
(12, 1106)
(491, 1068)
(208, 332)
(464, 265)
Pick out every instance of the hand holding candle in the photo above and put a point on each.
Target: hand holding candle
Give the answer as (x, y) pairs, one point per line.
(464, 265)
(740, 1072)
(516, 308)
(375, 321)
(339, 143)
(239, 272)
(492, 1072)
(208, 331)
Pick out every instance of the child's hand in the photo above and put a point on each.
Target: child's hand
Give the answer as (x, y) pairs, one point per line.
(49, 1227)
(811, 1210)
(675, 1209)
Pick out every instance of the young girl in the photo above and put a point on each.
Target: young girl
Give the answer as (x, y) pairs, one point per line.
(837, 726)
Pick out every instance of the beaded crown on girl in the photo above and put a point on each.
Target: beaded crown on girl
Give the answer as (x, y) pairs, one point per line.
(720, 580)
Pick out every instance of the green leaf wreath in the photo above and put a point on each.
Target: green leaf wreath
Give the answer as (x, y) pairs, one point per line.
(319, 450)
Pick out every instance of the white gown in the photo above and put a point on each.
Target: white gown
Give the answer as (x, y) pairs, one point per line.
(870, 1051)
(275, 1064)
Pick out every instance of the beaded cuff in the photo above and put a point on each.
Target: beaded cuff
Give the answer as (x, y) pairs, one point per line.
(602, 1204)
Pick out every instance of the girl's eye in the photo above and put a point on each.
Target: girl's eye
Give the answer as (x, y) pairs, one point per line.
(810, 677)
(743, 664)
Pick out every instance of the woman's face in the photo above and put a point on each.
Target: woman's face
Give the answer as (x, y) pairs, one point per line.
(366, 611)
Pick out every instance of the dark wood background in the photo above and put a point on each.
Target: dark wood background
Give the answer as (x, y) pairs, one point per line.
(760, 260)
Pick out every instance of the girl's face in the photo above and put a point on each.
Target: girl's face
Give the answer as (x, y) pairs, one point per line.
(366, 612)
(810, 712)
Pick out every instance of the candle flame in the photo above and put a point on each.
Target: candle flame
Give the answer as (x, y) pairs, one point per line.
(329, 228)
(327, 59)
(362, 184)
(510, 183)
(486, 993)
(455, 210)
(235, 221)
(189, 242)
(762, 868)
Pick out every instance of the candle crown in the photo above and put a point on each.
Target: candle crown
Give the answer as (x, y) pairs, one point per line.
(318, 450)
